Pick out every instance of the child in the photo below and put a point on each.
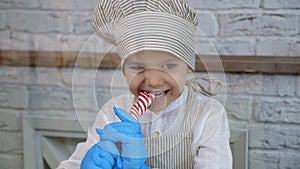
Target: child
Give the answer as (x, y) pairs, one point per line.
(183, 127)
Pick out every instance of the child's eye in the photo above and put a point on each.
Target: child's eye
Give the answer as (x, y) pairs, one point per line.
(169, 66)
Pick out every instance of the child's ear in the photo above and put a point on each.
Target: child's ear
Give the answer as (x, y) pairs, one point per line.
(189, 70)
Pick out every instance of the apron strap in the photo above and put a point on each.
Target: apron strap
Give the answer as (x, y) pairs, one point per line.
(194, 86)
(211, 88)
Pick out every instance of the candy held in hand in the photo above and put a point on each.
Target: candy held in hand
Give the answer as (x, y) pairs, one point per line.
(144, 100)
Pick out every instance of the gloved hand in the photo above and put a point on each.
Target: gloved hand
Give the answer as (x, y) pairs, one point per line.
(103, 155)
(128, 133)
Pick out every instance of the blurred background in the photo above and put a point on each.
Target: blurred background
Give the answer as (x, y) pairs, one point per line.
(49, 90)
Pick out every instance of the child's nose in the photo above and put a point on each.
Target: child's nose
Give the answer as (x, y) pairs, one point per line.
(154, 77)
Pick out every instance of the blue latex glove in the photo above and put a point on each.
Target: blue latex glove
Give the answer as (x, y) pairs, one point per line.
(128, 132)
(103, 155)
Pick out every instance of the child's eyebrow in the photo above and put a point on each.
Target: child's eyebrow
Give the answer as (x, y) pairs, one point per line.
(172, 60)
(132, 62)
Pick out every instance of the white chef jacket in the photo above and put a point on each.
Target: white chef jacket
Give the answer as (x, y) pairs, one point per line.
(210, 145)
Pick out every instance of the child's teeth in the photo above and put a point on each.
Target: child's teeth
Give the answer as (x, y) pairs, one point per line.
(157, 94)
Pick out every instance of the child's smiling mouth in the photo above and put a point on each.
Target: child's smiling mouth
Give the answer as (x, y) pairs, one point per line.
(156, 92)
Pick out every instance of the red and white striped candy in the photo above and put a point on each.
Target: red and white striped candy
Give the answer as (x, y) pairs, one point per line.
(144, 100)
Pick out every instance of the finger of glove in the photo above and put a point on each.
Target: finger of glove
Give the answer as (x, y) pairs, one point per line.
(141, 164)
(135, 150)
(119, 133)
(93, 159)
(119, 163)
(103, 163)
(99, 131)
(102, 158)
(109, 147)
(86, 165)
(109, 134)
(125, 127)
(124, 115)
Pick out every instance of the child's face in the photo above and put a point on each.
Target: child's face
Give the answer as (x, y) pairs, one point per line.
(160, 73)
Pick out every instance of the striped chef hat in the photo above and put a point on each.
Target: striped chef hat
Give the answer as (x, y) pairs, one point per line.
(137, 25)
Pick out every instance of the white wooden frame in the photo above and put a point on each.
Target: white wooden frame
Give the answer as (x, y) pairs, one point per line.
(42, 140)
(239, 145)
(45, 146)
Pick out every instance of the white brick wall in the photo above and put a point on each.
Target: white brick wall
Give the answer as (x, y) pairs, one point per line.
(69, 5)
(14, 96)
(11, 160)
(39, 21)
(224, 4)
(9, 120)
(20, 4)
(273, 46)
(268, 104)
(258, 24)
(279, 4)
(208, 24)
(2, 20)
(298, 86)
(269, 109)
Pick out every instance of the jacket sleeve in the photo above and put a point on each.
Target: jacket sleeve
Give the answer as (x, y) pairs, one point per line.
(74, 160)
(211, 142)
(105, 116)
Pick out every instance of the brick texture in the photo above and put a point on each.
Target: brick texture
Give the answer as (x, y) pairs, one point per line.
(22, 4)
(2, 20)
(263, 24)
(39, 21)
(225, 4)
(14, 96)
(279, 85)
(277, 47)
(239, 108)
(279, 4)
(298, 86)
(9, 120)
(273, 159)
(68, 4)
(269, 109)
(9, 161)
(274, 137)
(208, 25)
(50, 97)
(15, 146)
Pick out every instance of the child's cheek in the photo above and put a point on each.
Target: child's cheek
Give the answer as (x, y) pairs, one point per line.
(178, 80)
(134, 83)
